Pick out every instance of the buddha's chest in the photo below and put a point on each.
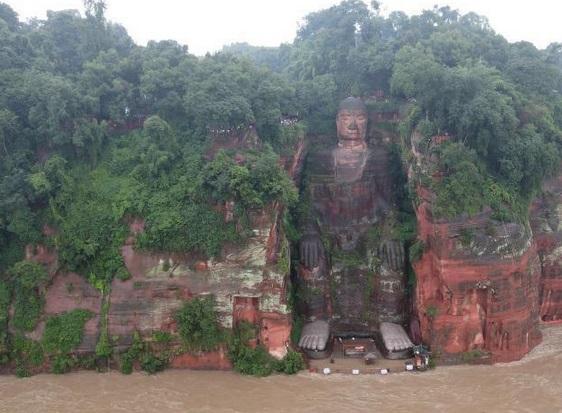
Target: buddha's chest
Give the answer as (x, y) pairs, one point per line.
(349, 188)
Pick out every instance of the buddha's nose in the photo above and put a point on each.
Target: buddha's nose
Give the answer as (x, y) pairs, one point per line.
(353, 125)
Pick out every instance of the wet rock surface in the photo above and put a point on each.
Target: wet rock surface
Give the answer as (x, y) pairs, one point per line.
(476, 294)
(546, 221)
(248, 281)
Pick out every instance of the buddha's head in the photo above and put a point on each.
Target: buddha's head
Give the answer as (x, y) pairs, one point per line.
(351, 123)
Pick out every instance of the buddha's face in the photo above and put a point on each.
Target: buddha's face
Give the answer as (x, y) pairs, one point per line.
(352, 127)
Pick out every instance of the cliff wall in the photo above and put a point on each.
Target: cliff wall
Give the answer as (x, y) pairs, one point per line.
(546, 221)
(477, 281)
(482, 285)
(249, 282)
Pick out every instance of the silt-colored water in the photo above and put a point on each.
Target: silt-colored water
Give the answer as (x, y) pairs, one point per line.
(533, 384)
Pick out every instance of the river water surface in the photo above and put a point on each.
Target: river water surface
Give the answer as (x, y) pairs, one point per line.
(531, 385)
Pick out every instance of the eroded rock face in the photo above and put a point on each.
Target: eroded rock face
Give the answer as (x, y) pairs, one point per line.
(249, 282)
(212, 360)
(66, 292)
(477, 283)
(245, 284)
(487, 302)
(481, 284)
(546, 221)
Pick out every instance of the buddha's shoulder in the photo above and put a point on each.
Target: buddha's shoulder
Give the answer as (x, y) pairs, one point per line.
(325, 157)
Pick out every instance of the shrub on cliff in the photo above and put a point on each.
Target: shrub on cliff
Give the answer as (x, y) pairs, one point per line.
(5, 298)
(28, 278)
(26, 353)
(256, 361)
(63, 333)
(152, 363)
(292, 363)
(141, 352)
(252, 361)
(252, 183)
(132, 354)
(193, 227)
(198, 324)
(91, 229)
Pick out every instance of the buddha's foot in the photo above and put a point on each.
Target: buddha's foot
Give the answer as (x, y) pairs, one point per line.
(315, 335)
(395, 337)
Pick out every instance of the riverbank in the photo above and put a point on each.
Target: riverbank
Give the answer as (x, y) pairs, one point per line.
(533, 384)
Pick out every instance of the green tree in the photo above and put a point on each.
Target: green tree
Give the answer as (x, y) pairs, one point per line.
(198, 324)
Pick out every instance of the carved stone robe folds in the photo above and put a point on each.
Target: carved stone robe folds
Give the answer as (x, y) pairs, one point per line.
(352, 282)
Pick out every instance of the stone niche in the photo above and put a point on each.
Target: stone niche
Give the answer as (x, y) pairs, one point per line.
(351, 275)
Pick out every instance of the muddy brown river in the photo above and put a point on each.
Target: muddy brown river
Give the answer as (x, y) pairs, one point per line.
(533, 384)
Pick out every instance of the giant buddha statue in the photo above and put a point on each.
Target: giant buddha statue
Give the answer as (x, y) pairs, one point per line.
(351, 275)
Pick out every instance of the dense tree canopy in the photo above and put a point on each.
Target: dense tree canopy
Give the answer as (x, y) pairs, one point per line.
(95, 130)
(74, 90)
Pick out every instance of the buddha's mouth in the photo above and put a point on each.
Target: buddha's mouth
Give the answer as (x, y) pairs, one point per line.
(353, 134)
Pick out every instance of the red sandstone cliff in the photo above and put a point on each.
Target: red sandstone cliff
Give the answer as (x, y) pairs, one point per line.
(546, 221)
(249, 282)
(480, 293)
(245, 283)
(485, 293)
